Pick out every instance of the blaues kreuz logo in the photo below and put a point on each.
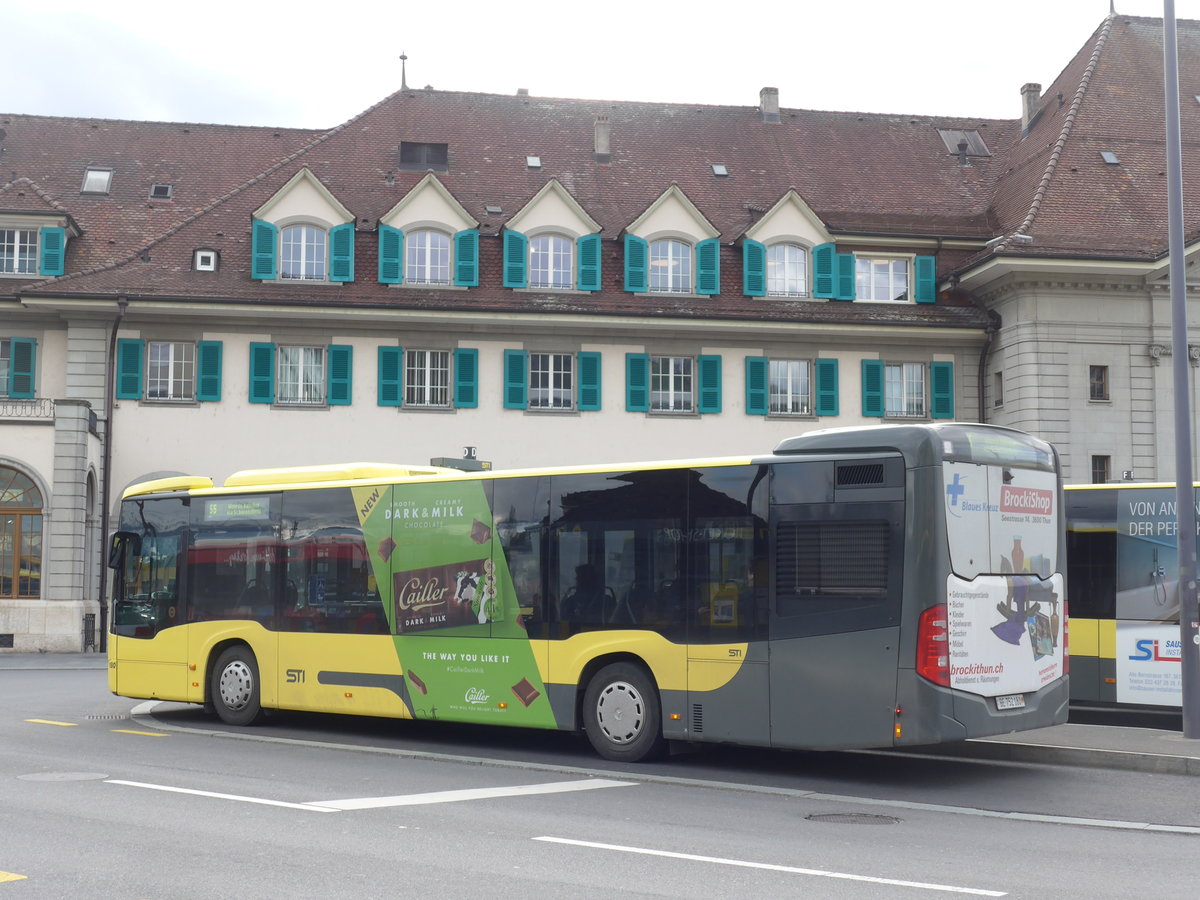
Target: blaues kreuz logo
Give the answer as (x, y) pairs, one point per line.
(954, 490)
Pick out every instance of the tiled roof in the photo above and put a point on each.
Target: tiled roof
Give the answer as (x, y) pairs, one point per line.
(861, 174)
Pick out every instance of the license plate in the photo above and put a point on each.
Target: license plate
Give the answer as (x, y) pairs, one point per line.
(1010, 701)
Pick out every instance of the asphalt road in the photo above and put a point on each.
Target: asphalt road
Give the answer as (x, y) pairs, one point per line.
(100, 801)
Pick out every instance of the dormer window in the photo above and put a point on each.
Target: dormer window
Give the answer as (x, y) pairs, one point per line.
(302, 253)
(787, 271)
(27, 252)
(427, 257)
(96, 181)
(670, 267)
(551, 261)
(422, 157)
(18, 251)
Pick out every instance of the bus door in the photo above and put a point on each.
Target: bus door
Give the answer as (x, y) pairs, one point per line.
(148, 647)
(837, 562)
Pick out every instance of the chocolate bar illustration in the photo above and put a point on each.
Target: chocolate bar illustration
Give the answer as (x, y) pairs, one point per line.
(525, 692)
(417, 682)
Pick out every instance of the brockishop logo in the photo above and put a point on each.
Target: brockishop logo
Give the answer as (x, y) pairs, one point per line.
(1026, 500)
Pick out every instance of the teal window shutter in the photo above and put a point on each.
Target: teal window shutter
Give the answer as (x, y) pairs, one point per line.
(466, 378)
(587, 254)
(589, 381)
(756, 385)
(823, 263)
(708, 267)
(872, 388)
(516, 368)
(754, 269)
(262, 250)
(52, 251)
(208, 371)
(391, 376)
(926, 267)
(129, 369)
(22, 366)
(941, 380)
(341, 252)
(391, 255)
(844, 277)
(710, 384)
(516, 260)
(637, 252)
(262, 373)
(466, 258)
(339, 375)
(827, 387)
(637, 382)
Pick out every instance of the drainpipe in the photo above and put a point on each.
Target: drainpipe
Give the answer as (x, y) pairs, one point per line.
(105, 492)
(993, 326)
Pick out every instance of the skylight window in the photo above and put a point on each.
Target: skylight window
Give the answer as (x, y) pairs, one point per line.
(161, 192)
(96, 181)
(720, 170)
(1109, 157)
(419, 157)
(533, 162)
(952, 137)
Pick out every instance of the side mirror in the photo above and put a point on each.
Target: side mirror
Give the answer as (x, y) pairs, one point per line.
(123, 542)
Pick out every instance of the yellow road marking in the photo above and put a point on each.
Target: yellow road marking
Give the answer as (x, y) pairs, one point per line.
(143, 733)
(11, 876)
(50, 722)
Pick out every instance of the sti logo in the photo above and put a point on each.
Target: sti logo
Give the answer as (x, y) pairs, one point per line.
(1148, 649)
(954, 490)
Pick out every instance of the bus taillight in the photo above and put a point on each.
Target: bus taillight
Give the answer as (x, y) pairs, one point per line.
(933, 650)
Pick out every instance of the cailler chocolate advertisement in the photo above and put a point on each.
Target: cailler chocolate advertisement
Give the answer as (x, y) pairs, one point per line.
(1004, 599)
(451, 603)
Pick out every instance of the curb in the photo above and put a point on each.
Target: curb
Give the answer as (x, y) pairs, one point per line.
(1007, 751)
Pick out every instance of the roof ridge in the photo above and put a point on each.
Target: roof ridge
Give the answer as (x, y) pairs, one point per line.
(1068, 123)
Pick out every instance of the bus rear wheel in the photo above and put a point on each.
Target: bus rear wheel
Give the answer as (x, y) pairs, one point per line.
(235, 687)
(622, 715)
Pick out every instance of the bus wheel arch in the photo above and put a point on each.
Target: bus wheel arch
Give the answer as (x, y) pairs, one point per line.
(621, 710)
(235, 684)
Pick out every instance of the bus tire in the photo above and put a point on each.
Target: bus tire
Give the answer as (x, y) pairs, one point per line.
(235, 690)
(622, 715)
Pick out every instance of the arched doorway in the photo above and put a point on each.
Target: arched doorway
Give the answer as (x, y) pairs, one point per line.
(20, 536)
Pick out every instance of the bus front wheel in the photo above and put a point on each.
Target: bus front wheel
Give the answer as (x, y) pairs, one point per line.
(622, 715)
(235, 687)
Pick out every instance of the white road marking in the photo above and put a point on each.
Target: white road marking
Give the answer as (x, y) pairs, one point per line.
(519, 790)
(178, 790)
(792, 870)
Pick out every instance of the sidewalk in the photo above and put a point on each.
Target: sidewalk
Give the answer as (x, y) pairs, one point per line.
(1100, 746)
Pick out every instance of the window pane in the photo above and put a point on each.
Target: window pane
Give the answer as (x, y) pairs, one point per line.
(427, 378)
(302, 253)
(789, 387)
(170, 371)
(670, 267)
(18, 252)
(550, 263)
(787, 271)
(301, 375)
(427, 257)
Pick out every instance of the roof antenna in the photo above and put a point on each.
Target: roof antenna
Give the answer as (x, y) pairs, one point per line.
(403, 72)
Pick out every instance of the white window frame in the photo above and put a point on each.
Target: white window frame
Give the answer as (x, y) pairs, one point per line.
(427, 378)
(551, 262)
(789, 387)
(303, 252)
(5, 364)
(300, 376)
(670, 267)
(428, 257)
(905, 390)
(787, 276)
(551, 381)
(672, 384)
(205, 261)
(170, 371)
(96, 180)
(883, 279)
(18, 251)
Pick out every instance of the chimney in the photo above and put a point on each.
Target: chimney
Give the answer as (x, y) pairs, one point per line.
(522, 92)
(603, 147)
(768, 104)
(1030, 95)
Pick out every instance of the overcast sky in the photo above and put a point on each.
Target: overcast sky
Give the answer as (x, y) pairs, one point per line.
(315, 65)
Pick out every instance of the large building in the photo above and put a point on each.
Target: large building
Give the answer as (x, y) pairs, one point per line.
(551, 281)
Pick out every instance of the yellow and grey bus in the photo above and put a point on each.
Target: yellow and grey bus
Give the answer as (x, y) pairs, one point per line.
(1123, 572)
(861, 587)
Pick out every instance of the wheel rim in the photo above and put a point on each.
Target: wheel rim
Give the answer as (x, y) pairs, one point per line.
(621, 712)
(237, 685)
